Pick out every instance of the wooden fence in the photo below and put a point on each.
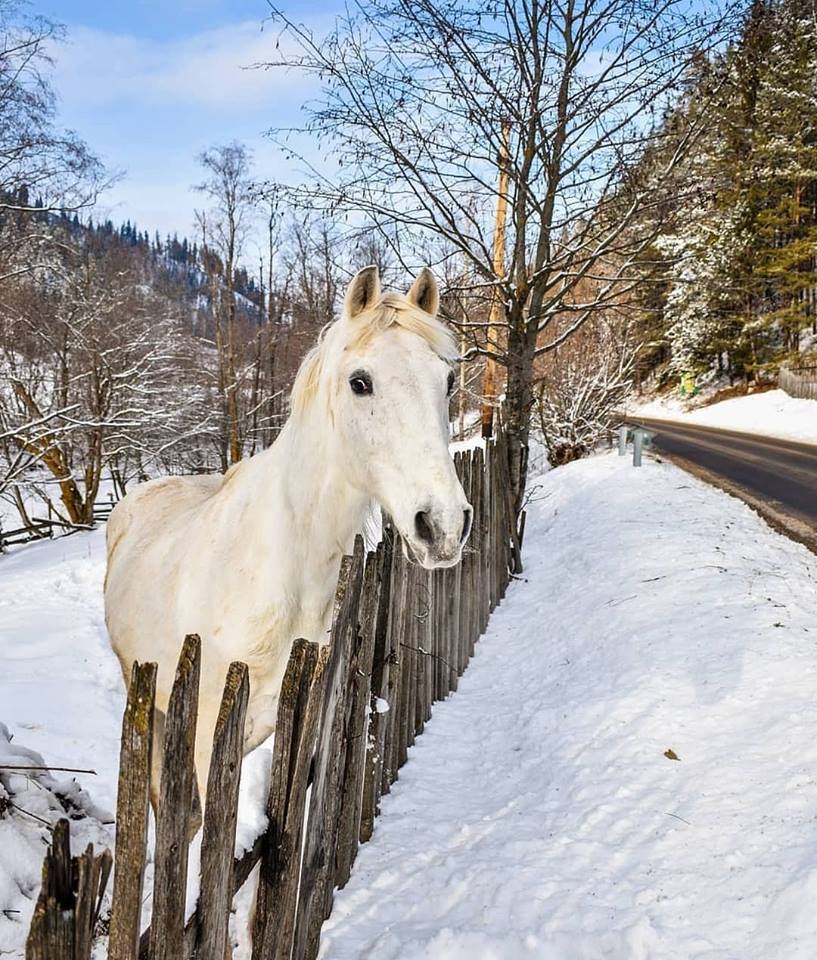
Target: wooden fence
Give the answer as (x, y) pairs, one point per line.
(41, 528)
(799, 381)
(348, 712)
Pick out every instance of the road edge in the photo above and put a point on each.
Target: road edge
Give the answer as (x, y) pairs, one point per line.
(808, 446)
(780, 521)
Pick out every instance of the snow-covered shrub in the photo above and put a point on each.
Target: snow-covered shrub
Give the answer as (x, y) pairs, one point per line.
(581, 388)
(31, 800)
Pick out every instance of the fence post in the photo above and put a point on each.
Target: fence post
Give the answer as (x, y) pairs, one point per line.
(357, 726)
(221, 815)
(396, 630)
(317, 873)
(379, 692)
(175, 808)
(298, 711)
(132, 813)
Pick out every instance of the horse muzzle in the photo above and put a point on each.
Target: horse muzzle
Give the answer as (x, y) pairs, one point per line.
(439, 536)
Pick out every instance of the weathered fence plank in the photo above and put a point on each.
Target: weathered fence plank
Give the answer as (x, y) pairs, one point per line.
(408, 677)
(357, 725)
(86, 874)
(420, 675)
(298, 712)
(317, 871)
(396, 630)
(220, 816)
(175, 807)
(379, 694)
(132, 813)
(429, 636)
(442, 671)
(67, 909)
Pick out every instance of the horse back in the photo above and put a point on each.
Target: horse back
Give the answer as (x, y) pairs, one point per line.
(155, 507)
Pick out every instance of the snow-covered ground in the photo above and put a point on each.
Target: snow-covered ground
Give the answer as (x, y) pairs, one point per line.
(772, 413)
(62, 695)
(538, 815)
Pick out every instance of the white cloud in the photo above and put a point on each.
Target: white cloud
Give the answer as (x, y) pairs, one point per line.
(149, 108)
(211, 69)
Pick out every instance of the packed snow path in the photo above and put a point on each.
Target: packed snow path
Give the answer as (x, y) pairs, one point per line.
(538, 815)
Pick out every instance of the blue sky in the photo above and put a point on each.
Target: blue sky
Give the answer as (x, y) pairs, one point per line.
(149, 84)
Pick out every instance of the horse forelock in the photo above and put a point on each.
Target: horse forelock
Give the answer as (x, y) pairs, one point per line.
(392, 310)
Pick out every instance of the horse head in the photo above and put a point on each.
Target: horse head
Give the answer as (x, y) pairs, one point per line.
(381, 377)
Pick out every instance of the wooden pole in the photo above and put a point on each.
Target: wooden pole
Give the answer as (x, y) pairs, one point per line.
(489, 379)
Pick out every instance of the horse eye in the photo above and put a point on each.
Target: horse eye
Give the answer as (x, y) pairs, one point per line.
(361, 383)
(451, 379)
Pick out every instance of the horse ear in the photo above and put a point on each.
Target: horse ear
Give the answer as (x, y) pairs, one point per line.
(425, 293)
(364, 290)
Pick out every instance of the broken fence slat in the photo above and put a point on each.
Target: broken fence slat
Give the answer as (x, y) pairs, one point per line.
(51, 936)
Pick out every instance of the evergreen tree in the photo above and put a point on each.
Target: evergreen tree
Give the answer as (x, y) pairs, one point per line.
(742, 273)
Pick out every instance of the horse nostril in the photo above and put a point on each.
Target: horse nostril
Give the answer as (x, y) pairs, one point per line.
(422, 527)
(467, 513)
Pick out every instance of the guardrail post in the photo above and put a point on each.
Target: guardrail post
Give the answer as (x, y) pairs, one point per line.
(638, 442)
(623, 430)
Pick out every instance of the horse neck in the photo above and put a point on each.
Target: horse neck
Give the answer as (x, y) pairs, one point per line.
(317, 511)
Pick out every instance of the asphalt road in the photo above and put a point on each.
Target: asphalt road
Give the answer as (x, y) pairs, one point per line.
(779, 473)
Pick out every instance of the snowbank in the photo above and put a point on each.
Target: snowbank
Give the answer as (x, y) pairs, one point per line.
(61, 694)
(539, 815)
(772, 413)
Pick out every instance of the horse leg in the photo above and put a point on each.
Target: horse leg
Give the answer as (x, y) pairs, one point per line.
(157, 758)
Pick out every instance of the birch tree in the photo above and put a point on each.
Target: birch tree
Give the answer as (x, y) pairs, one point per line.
(223, 229)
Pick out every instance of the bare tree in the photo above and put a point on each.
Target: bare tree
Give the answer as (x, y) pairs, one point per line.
(232, 192)
(94, 374)
(581, 385)
(42, 167)
(416, 96)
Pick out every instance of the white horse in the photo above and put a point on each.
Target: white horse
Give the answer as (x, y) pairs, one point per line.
(249, 560)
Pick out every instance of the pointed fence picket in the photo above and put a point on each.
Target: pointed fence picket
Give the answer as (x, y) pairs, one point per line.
(347, 715)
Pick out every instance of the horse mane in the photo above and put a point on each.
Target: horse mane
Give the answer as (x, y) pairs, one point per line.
(392, 310)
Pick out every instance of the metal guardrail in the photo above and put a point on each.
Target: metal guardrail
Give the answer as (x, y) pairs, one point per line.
(641, 438)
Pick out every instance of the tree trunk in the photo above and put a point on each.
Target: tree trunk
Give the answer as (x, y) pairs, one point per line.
(519, 401)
